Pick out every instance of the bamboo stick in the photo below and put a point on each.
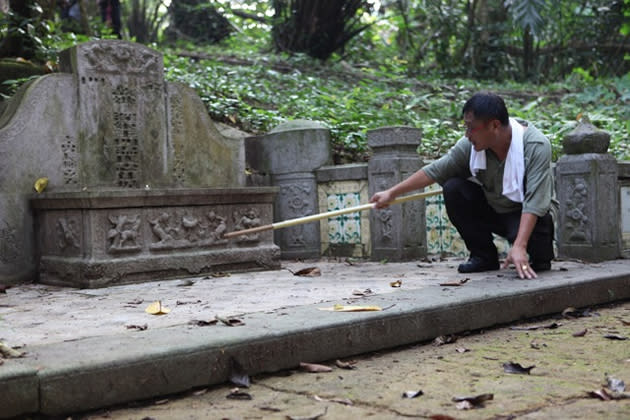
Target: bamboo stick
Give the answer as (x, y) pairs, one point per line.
(319, 216)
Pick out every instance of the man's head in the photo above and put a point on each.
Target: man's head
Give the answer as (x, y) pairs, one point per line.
(486, 106)
(485, 118)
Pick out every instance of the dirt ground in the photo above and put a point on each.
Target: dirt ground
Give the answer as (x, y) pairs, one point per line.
(573, 355)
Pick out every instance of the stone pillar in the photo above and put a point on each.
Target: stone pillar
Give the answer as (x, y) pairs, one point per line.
(289, 155)
(587, 186)
(398, 232)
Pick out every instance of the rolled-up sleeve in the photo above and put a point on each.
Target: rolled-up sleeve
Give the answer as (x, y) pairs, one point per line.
(538, 181)
(452, 164)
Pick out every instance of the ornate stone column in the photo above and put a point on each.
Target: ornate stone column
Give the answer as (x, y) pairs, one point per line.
(398, 232)
(289, 155)
(588, 191)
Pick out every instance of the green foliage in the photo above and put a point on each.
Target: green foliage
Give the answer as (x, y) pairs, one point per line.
(260, 93)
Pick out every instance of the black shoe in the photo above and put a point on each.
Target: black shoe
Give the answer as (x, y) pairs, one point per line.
(539, 266)
(476, 265)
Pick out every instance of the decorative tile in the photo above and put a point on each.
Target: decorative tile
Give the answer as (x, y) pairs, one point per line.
(442, 236)
(350, 229)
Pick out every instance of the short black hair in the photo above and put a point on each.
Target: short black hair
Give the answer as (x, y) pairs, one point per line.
(487, 106)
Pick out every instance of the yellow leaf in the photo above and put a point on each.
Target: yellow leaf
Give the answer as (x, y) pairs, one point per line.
(350, 308)
(41, 184)
(156, 308)
(396, 283)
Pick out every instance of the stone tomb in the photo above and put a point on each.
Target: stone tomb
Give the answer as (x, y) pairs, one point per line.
(141, 183)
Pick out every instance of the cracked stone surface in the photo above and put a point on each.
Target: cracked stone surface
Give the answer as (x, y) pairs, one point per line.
(567, 367)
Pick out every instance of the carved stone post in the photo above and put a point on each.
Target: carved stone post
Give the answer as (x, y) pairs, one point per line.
(398, 232)
(586, 180)
(289, 155)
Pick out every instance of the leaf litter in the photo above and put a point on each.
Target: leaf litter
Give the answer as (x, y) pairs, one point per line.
(516, 368)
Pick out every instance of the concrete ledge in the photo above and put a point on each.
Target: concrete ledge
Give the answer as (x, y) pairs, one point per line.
(19, 389)
(101, 371)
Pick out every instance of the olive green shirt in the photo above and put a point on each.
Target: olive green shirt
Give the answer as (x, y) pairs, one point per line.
(537, 180)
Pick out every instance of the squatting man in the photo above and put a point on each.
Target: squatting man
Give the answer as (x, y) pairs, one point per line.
(496, 179)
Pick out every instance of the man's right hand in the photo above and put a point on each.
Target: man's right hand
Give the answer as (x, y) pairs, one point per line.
(382, 199)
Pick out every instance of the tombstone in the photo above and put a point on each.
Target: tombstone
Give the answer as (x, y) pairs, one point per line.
(398, 232)
(141, 184)
(288, 156)
(587, 186)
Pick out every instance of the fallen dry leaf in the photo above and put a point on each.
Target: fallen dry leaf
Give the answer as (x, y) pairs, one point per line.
(313, 417)
(346, 365)
(9, 352)
(571, 312)
(396, 283)
(455, 283)
(314, 368)
(308, 272)
(444, 339)
(230, 322)
(412, 394)
(580, 333)
(351, 308)
(156, 308)
(237, 394)
(467, 403)
(185, 283)
(365, 292)
(203, 323)
(602, 394)
(511, 367)
(615, 337)
(137, 327)
(551, 326)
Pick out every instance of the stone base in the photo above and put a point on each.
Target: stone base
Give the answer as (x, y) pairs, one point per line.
(105, 238)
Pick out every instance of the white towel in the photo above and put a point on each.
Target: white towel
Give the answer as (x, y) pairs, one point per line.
(514, 170)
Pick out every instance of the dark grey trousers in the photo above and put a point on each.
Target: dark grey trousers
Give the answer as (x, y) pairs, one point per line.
(476, 221)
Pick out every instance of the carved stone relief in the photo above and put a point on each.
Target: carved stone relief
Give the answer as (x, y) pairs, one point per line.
(173, 230)
(70, 161)
(385, 218)
(126, 150)
(247, 219)
(68, 233)
(577, 217)
(120, 58)
(124, 236)
(177, 127)
(298, 204)
(296, 197)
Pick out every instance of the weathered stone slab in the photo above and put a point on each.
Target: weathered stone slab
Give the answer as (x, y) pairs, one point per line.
(107, 238)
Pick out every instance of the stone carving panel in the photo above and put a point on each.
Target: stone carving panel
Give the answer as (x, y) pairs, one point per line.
(297, 199)
(118, 57)
(126, 150)
(246, 219)
(68, 230)
(176, 229)
(70, 161)
(177, 127)
(124, 235)
(577, 223)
